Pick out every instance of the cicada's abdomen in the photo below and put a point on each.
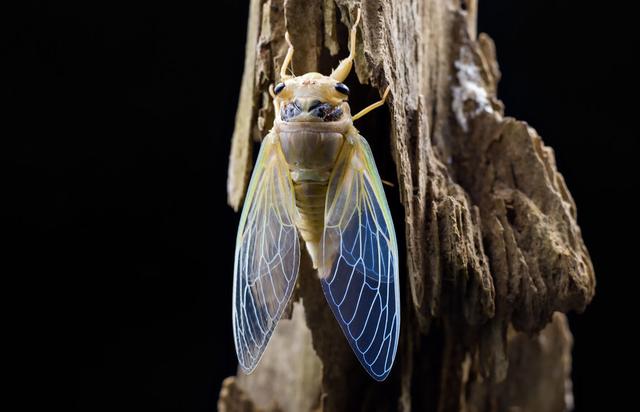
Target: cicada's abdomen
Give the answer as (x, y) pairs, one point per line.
(311, 150)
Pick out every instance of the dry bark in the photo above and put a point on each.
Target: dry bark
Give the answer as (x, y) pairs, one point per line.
(493, 250)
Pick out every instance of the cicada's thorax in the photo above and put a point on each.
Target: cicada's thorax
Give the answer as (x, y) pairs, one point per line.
(311, 150)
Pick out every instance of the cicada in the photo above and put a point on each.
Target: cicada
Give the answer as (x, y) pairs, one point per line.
(315, 180)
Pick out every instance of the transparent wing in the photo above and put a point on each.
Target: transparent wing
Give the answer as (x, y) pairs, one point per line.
(267, 255)
(360, 259)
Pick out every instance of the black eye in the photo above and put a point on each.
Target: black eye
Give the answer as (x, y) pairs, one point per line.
(278, 88)
(342, 88)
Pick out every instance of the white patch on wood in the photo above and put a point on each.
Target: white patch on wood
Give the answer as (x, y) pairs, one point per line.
(470, 88)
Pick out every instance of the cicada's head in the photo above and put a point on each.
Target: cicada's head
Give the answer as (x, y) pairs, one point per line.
(314, 97)
(311, 97)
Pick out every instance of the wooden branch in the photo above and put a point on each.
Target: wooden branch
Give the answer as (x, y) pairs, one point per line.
(493, 250)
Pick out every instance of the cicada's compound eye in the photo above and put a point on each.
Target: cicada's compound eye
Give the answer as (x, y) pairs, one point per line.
(278, 88)
(342, 88)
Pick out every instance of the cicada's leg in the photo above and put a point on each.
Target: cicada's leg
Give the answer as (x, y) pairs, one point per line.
(372, 106)
(342, 71)
(287, 59)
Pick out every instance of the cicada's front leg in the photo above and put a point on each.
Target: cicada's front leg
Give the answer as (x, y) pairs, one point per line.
(287, 59)
(341, 72)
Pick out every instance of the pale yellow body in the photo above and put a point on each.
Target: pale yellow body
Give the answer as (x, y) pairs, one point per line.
(311, 150)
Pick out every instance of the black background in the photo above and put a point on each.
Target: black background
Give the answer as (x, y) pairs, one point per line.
(119, 286)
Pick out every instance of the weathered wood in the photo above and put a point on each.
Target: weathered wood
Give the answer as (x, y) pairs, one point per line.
(493, 250)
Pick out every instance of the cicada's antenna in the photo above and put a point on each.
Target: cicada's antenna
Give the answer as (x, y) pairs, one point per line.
(342, 71)
(287, 60)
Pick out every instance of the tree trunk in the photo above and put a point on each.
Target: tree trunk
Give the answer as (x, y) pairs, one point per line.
(492, 249)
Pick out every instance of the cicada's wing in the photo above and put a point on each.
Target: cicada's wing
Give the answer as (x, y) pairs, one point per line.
(267, 254)
(360, 259)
